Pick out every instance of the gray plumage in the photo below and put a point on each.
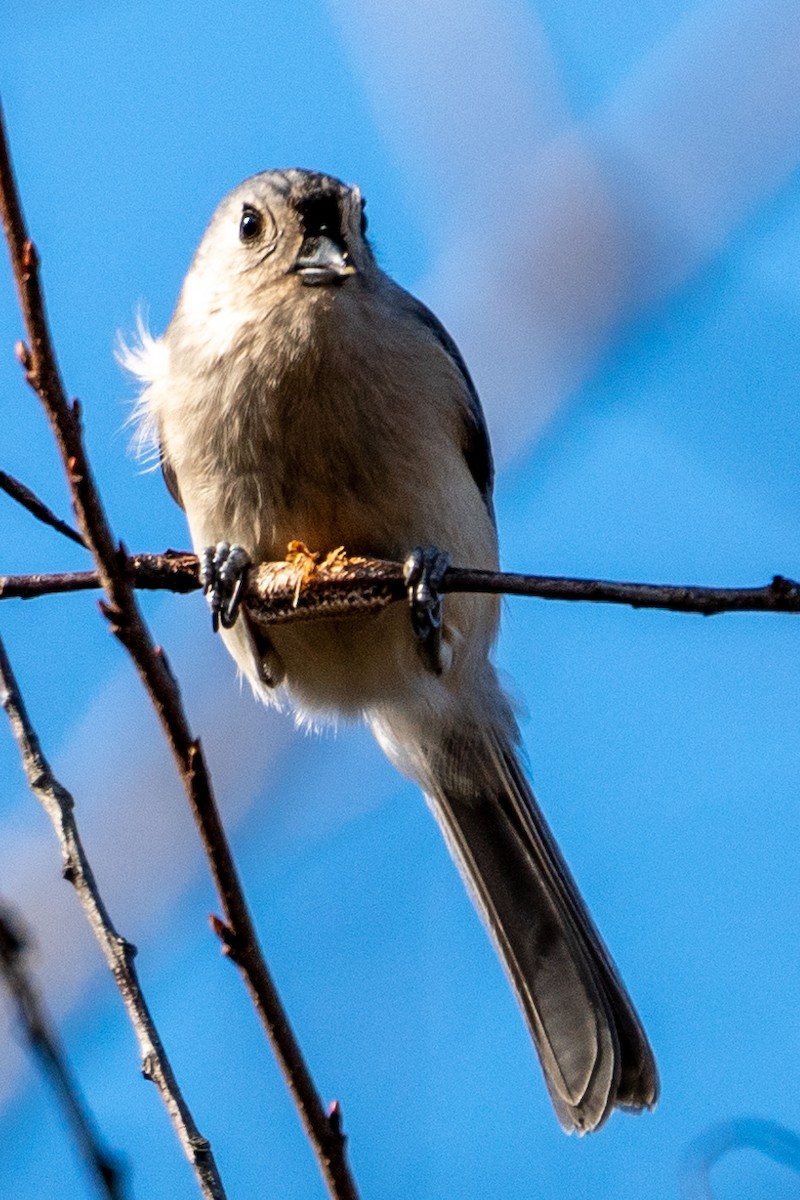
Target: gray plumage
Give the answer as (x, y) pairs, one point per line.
(343, 413)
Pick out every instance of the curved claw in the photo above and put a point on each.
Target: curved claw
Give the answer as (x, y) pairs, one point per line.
(423, 572)
(223, 575)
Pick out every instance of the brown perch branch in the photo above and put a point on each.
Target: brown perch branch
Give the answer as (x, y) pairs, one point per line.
(356, 585)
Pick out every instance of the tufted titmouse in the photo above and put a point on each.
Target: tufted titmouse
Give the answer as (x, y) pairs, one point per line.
(299, 393)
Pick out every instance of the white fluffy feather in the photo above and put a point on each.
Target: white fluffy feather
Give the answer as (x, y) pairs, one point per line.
(147, 359)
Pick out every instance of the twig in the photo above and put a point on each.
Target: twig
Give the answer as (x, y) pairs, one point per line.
(363, 585)
(28, 499)
(172, 572)
(105, 1168)
(338, 586)
(127, 624)
(118, 953)
(780, 595)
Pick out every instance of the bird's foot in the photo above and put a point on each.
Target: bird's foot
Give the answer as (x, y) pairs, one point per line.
(223, 575)
(423, 572)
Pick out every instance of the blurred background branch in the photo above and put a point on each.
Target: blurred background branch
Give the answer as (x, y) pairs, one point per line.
(118, 953)
(104, 1168)
(768, 1138)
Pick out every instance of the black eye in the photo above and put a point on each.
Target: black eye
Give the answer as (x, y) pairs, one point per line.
(250, 225)
(363, 218)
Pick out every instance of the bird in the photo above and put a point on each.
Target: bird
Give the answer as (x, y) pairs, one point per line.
(300, 394)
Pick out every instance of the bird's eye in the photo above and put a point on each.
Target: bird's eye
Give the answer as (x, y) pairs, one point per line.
(363, 218)
(250, 225)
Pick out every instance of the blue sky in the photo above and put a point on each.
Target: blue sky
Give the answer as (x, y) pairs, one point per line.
(601, 201)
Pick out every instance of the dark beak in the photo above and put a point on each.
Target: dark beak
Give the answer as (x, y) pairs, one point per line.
(321, 261)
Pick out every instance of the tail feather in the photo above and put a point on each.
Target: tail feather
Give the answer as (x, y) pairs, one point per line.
(637, 1086)
(594, 1052)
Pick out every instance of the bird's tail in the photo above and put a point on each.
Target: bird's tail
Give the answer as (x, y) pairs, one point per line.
(592, 1047)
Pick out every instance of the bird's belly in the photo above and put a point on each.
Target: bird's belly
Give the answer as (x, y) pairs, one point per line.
(348, 666)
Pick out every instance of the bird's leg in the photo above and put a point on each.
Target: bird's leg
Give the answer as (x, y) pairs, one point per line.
(269, 664)
(423, 572)
(223, 574)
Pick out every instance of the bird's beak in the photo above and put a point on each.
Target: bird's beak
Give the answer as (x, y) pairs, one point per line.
(321, 261)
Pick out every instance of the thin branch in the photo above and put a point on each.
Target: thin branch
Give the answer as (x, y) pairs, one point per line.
(779, 595)
(103, 1167)
(118, 953)
(28, 499)
(172, 572)
(337, 586)
(128, 626)
(344, 587)
(54, 583)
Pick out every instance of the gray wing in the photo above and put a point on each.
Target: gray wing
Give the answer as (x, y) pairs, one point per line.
(170, 478)
(476, 446)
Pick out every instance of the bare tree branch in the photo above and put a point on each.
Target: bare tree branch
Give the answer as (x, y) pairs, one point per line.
(28, 499)
(172, 572)
(126, 623)
(104, 1168)
(341, 587)
(337, 586)
(118, 953)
